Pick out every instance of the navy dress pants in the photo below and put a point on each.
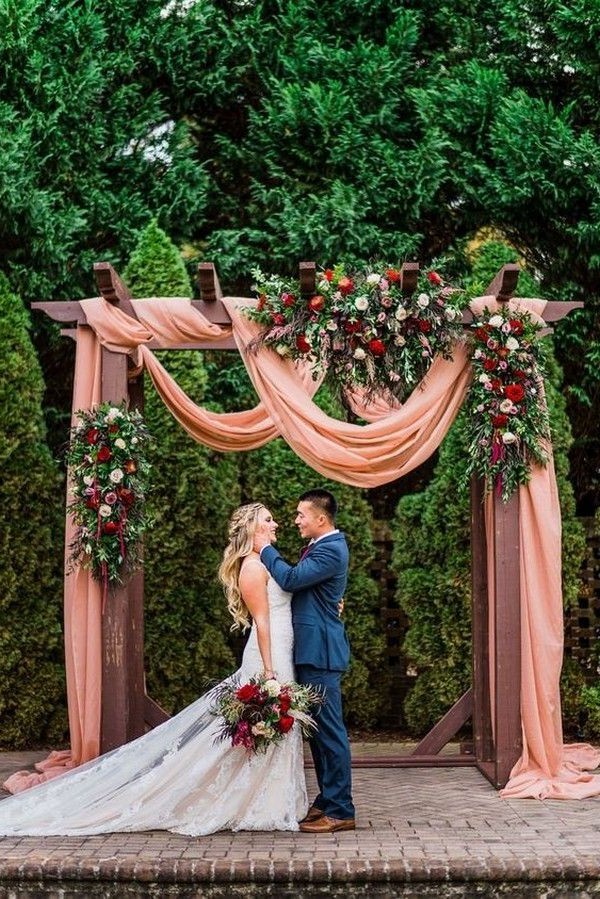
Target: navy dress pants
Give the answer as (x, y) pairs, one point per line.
(329, 746)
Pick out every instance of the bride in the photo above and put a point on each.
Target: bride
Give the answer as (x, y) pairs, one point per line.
(176, 777)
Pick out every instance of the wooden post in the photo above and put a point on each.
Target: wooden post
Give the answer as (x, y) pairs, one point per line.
(480, 628)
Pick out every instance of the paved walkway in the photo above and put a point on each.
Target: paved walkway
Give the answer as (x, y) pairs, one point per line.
(420, 832)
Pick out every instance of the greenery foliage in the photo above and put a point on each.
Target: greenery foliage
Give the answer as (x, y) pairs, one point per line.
(432, 560)
(32, 701)
(193, 493)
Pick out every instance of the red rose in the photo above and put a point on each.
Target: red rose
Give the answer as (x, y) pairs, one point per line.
(302, 344)
(277, 318)
(288, 299)
(104, 454)
(516, 325)
(499, 421)
(377, 347)
(489, 364)
(92, 436)
(481, 334)
(316, 303)
(393, 275)
(284, 702)
(345, 285)
(126, 496)
(514, 392)
(93, 502)
(424, 326)
(110, 528)
(248, 693)
(285, 723)
(496, 384)
(352, 327)
(502, 352)
(130, 466)
(519, 375)
(113, 429)
(434, 278)
(328, 274)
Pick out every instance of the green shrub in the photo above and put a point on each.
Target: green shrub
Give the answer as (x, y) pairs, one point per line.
(32, 690)
(194, 491)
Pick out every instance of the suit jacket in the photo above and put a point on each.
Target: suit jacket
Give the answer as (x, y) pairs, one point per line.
(317, 583)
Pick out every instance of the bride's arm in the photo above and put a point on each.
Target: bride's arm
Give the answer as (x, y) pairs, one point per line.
(253, 587)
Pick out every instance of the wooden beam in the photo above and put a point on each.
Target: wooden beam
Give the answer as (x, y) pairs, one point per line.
(410, 275)
(507, 635)
(308, 278)
(112, 288)
(480, 626)
(153, 713)
(62, 310)
(451, 760)
(446, 727)
(208, 282)
(505, 283)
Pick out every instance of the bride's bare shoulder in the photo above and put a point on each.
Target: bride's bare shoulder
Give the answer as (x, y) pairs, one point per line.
(253, 570)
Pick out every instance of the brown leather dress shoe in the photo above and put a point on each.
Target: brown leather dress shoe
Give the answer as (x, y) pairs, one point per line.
(325, 824)
(313, 814)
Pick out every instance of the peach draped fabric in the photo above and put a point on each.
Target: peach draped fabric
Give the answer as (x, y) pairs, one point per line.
(395, 441)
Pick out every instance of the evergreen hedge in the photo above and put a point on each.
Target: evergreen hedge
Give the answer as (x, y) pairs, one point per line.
(194, 491)
(431, 532)
(32, 688)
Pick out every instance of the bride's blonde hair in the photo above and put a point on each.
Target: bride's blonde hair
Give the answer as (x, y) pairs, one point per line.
(242, 526)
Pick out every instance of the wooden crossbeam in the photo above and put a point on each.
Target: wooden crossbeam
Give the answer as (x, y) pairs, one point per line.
(112, 287)
(208, 282)
(447, 727)
(308, 278)
(504, 284)
(410, 274)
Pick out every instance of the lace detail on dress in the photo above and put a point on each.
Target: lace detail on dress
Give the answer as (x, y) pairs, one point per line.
(176, 777)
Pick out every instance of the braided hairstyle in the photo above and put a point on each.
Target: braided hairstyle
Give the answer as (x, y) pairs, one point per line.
(242, 526)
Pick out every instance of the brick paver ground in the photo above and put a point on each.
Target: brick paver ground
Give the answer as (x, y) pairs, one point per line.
(429, 826)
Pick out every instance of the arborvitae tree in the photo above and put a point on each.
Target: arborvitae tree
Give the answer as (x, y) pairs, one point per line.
(432, 544)
(32, 700)
(193, 493)
(276, 476)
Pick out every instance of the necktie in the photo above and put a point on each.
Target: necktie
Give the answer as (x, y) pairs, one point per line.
(304, 550)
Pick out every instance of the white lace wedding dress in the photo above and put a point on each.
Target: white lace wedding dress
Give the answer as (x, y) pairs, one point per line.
(176, 777)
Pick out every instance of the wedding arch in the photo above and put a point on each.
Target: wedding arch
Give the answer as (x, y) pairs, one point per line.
(514, 702)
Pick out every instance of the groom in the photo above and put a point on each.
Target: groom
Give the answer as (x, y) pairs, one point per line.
(321, 650)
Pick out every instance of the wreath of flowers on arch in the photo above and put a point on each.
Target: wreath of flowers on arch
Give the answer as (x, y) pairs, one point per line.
(360, 329)
(108, 473)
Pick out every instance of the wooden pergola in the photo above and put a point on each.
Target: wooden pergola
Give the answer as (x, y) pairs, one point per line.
(127, 710)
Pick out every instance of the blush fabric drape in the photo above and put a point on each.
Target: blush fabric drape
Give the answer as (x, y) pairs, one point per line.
(395, 440)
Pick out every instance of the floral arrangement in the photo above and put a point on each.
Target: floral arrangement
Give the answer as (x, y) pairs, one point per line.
(108, 474)
(258, 714)
(359, 327)
(505, 404)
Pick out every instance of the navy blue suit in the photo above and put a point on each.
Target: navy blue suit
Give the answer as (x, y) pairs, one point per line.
(321, 655)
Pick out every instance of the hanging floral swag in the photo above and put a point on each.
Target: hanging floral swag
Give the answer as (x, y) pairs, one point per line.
(108, 476)
(359, 329)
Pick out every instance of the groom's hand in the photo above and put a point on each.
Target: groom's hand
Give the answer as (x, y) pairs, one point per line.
(262, 537)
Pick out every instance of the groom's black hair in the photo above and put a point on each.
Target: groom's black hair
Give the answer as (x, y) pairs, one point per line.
(323, 500)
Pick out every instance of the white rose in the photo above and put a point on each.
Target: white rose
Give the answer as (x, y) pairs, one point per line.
(401, 313)
(134, 441)
(496, 321)
(506, 405)
(104, 510)
(116, 475)
(282, 349)
(451, 313)
(509, 437)
(373, 278)
(399, 340)
(262, 729)
(88, 480)
(120, 443)
(512, 344)
(481, 407)
(331, 325)
(423, 301)
(359, 353)
(272, 686)
(362, 303)
(112, 414)
(484, 379)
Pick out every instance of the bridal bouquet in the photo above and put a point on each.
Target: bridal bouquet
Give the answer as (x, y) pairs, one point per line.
(259, 713)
